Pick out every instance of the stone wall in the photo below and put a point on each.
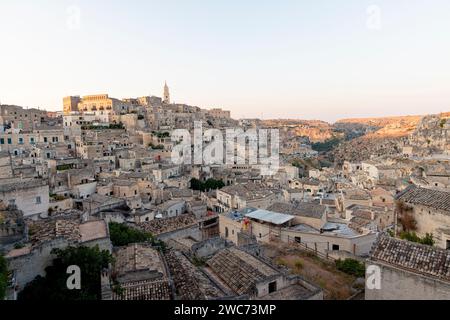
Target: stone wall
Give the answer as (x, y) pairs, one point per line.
(28, 266)
(398, 284)
(208, 247)
(193, 232)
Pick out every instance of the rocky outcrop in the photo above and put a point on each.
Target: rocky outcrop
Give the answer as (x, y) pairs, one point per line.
(432, 133)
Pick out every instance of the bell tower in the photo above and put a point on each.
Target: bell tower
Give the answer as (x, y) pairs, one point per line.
(166, 98)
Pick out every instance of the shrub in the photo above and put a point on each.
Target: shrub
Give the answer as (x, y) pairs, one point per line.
(19, 245)
(351, 266)
(122, 235)
(3, 277)
(413, 237)
(156, 147)
(326, 146)
(299, 264)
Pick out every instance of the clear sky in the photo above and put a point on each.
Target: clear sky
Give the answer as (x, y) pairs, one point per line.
(316, 59)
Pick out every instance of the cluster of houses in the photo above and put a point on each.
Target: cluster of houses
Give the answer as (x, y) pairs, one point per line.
(65, 176)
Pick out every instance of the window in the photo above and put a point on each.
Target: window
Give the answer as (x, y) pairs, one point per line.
(447, 245)
(20, 140)
(226, 232)
(45, 139)
(298, 239)
(31, 140)
(272, 287)
(2, 140)
(9, 141)
(38, 200)
(335, 247)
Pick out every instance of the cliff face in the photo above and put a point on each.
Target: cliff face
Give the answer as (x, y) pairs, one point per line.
(432, 132)
(366, 137)
(363, 148)
(387, 127)
(315, 130)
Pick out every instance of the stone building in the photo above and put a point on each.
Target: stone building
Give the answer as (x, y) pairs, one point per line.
(99, 103)
(12, 225)
(243, 274)
(30, 261)
(332, 238)
(31, 196)
(430, 209)
(240, 196)
(15, 117)
(141, 273)
(408, 271)
(6, 168)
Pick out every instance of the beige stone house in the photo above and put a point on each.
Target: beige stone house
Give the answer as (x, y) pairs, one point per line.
(402, 270)
(430, 210)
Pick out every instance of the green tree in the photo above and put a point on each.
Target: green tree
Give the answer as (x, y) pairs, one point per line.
(122, 235)
(3, 277)
(53, 286)
(210, 184)
(196, 184)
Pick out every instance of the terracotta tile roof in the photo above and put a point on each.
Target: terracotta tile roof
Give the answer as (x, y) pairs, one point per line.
(427, 197)
(304, 209)
(140, 270)
(240, 270)
(186, 285)
(418, 258)
(159, 226)
(145, 290)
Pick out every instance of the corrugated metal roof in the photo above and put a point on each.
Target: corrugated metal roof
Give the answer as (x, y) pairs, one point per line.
(269, 216)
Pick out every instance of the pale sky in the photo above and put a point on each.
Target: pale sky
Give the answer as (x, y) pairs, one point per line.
(316, 59)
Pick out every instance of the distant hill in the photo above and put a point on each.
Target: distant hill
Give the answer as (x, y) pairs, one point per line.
(358, 139)
(398, 126)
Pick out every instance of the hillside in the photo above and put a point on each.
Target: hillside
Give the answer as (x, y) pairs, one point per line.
(315, 130)
(384, 127)
(358, 139)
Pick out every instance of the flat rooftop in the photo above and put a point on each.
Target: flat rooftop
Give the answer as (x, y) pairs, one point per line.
(269, 216)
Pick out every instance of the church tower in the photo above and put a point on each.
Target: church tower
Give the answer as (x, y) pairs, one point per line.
(166, 98)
